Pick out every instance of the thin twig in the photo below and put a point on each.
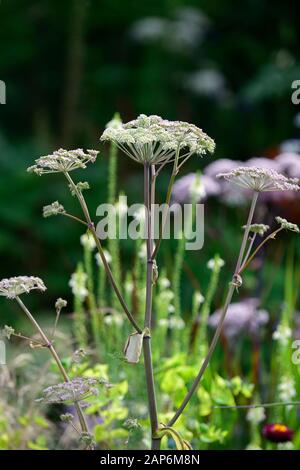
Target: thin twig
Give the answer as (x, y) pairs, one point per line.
(272, 235)
(73, 217)
(258, 405)
(108, 271)
(252, 239)
(56, 358)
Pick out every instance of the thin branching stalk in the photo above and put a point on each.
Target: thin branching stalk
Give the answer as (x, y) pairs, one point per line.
(232, 287)
(101, 252)
(73, 217)
(148, 200)
(56, 358)
(248, 253)
(258, 405)
(269, 237)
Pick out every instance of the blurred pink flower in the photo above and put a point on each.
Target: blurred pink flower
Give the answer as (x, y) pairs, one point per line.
(244, 316)
(289, 163)
(185, 187)
(221, 166)
(263, 162)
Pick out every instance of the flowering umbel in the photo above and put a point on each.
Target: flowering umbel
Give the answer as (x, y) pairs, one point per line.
(151, 139)
(260, 179)
(53, 209)
(260, 229)
(63, 161)
(75, 390)
(287, 225)
(15, 286)
(276, 432)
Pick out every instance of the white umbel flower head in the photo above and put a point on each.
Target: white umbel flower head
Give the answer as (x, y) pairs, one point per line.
(15, 286)
(63, 161)
(287, 225)
(151, 139)
(260, 179)
(260, 229)
(53, 209)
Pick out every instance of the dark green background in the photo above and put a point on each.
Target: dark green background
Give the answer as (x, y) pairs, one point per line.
(69, 65)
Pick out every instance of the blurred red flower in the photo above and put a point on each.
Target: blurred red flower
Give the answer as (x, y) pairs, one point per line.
(276, 432)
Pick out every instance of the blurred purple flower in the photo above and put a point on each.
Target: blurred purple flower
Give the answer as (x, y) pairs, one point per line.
(289, 163)
(221, 166)
(244, 316)
(263, 162)
(229, 194)
(185, 187)
(297, 325)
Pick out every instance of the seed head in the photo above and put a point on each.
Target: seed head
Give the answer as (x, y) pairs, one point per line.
(260, 229)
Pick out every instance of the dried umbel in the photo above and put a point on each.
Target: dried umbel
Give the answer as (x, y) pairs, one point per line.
(260, 179)
(63, 161)
(260, 229)
(151, 139)
(287, 225)
(15, 286)
(75, 390)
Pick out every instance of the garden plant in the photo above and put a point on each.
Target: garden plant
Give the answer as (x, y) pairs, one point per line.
(151, 303)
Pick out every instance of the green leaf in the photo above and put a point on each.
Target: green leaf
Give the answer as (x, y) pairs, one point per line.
(205, 402)
(209, 434)
(41, 421)
(172, 382)
(236, 385)
(221, 393)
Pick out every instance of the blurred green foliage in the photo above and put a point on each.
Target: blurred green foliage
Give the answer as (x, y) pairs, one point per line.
(68, 66)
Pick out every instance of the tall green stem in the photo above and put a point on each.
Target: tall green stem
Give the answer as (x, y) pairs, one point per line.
(148, 201)
(216, 336)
